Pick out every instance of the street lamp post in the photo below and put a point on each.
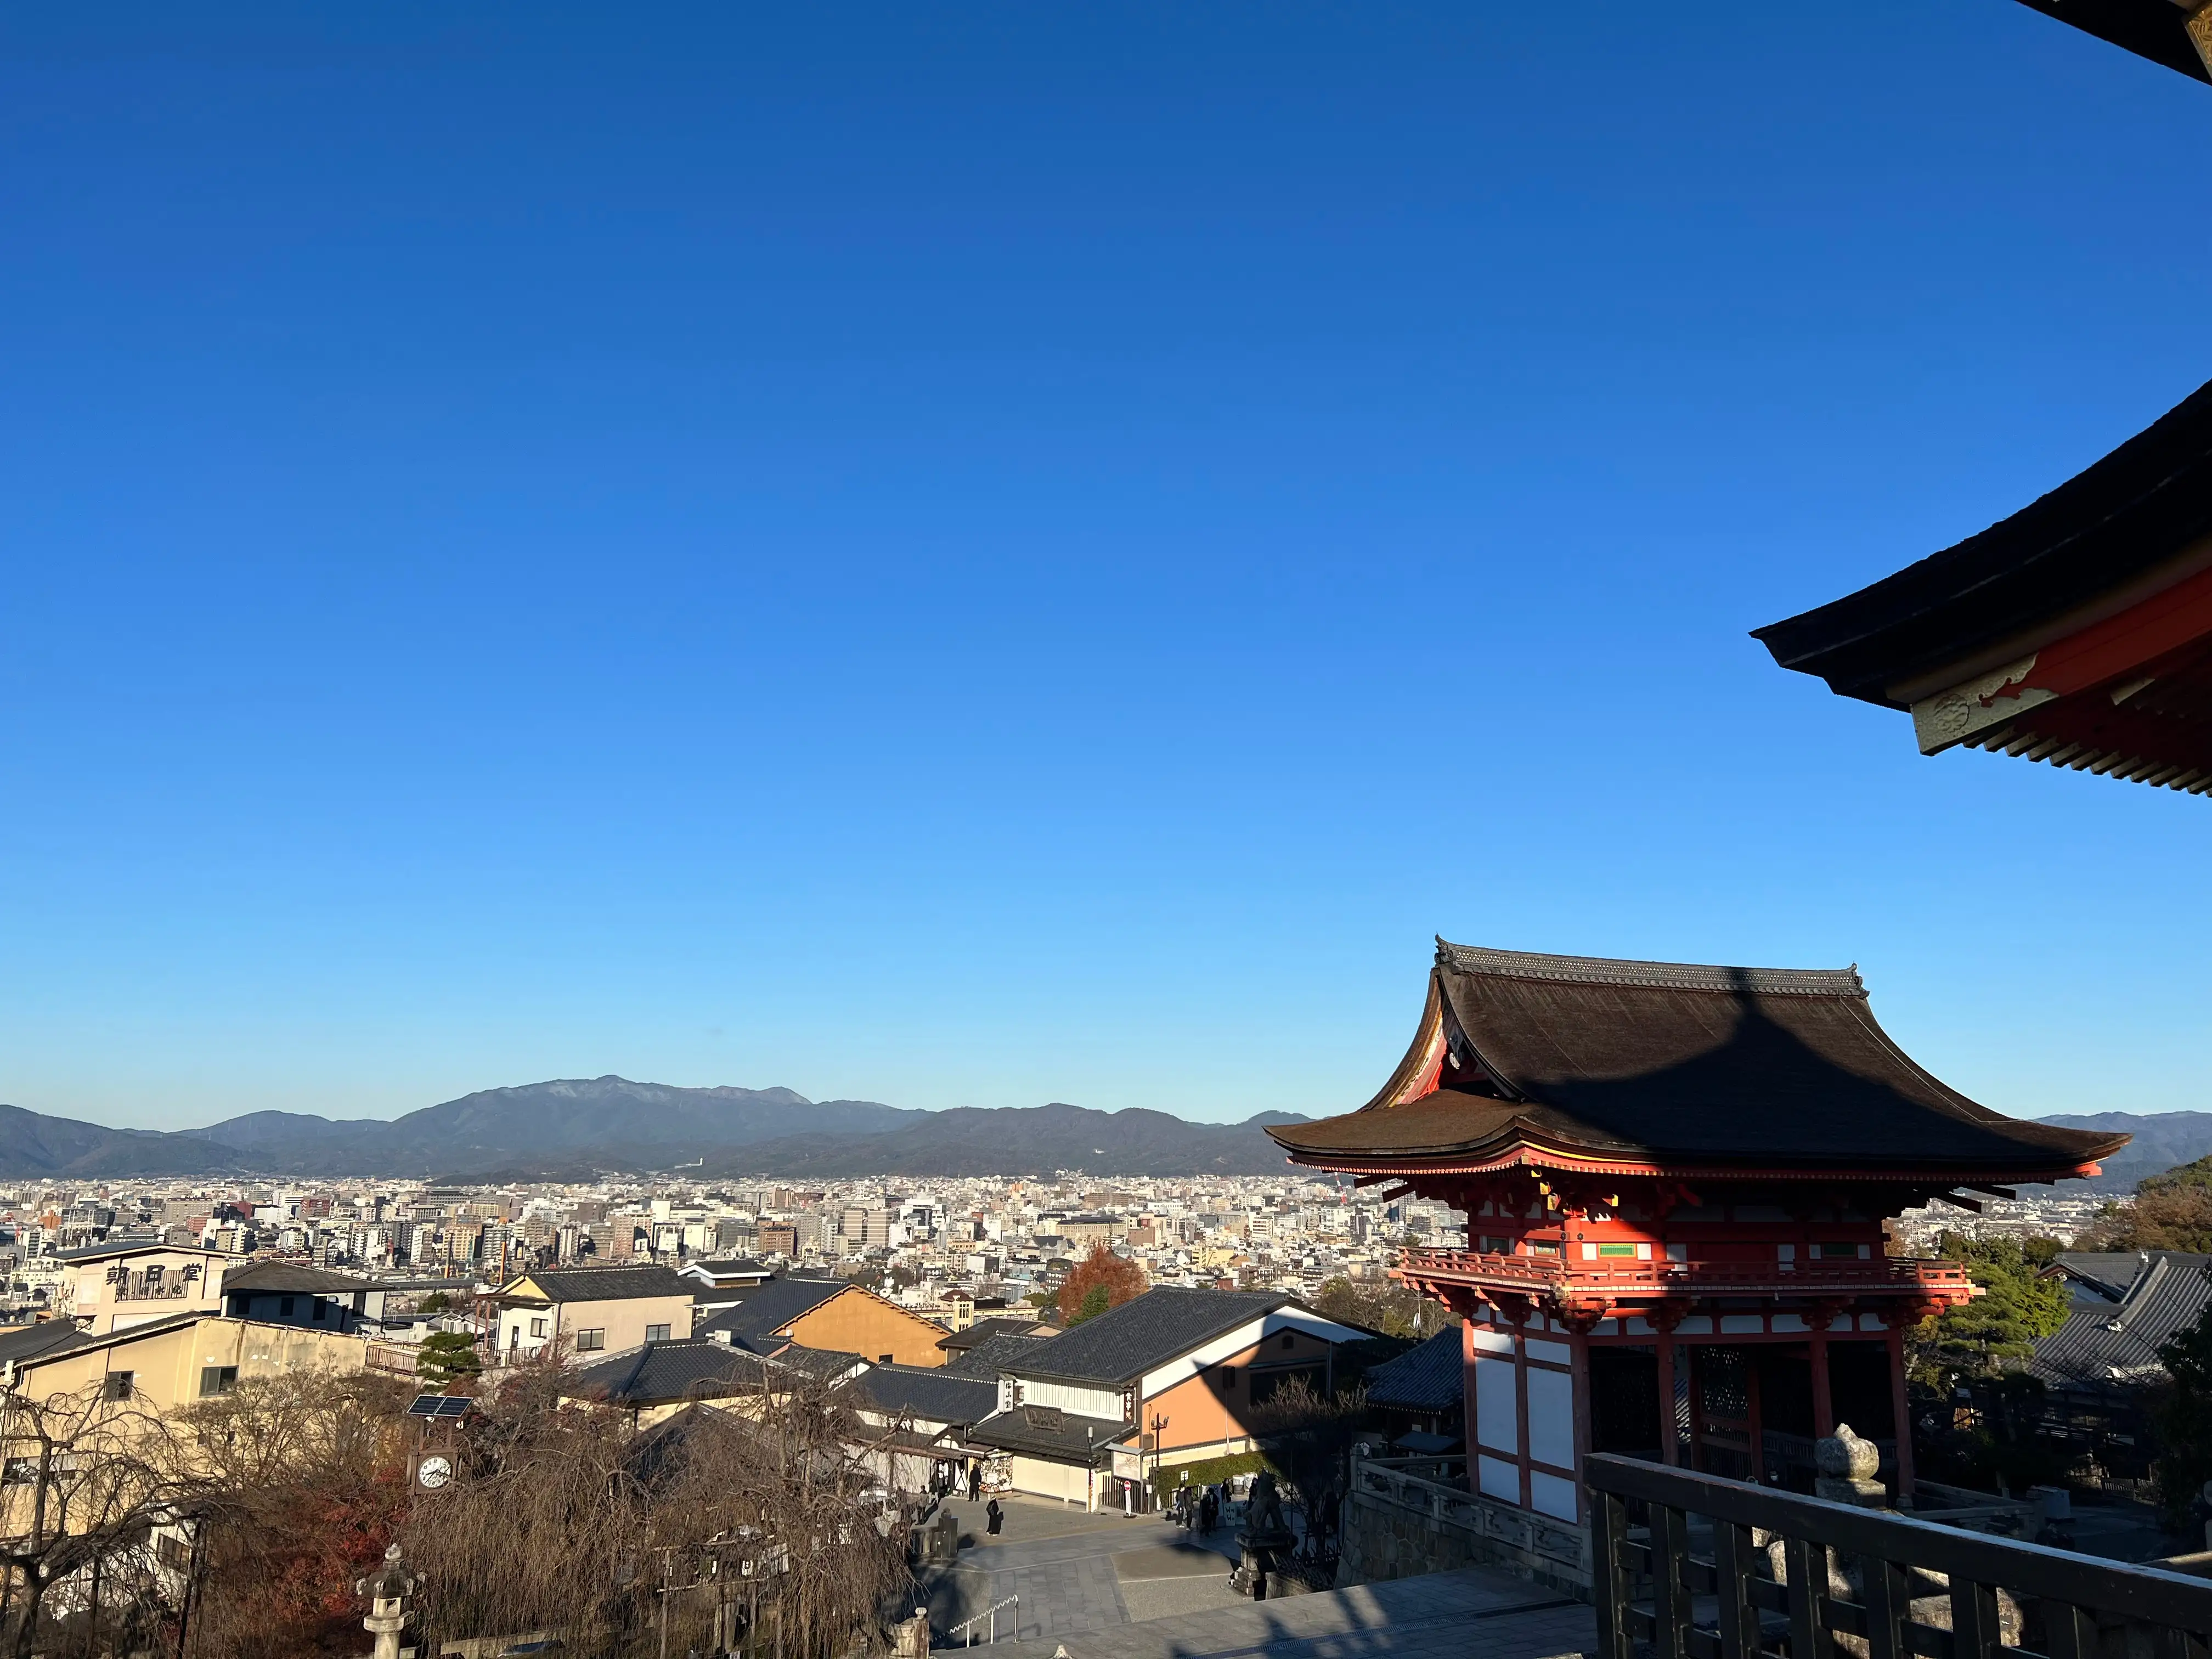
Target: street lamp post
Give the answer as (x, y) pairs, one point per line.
(1158, 1423)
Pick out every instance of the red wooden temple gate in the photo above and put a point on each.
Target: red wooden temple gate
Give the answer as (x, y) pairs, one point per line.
(1675, 1179)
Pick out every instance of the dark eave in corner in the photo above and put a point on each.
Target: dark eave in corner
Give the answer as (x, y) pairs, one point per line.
(2133, 522)
(2156, 29)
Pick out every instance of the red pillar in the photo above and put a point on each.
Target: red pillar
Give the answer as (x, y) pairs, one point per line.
(1900, 1411)
(1579, 1375)
(1697, 1412)
(1823, 1405)
(1467, 1397)
(1520, 1406)
(1669, 1452)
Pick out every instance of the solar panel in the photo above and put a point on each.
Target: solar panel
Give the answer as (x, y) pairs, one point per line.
(441, 1405)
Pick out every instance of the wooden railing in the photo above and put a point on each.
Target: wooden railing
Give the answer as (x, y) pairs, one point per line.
(1905, 1587)
(1903, 1275)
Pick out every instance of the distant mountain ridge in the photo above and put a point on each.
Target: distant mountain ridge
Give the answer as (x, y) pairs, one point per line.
(572, 1128)
(2162, 1139)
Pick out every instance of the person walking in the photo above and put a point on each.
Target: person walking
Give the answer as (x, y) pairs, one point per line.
(995, 1515)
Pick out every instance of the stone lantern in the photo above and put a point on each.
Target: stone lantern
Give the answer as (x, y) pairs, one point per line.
(387, 1589)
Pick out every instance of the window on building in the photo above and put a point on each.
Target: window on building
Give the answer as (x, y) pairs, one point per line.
(172, 1552)
(117, 1385)
(656, 1332)
(588, 1341)
(1830, 1250)
(1289, 1340)
(885, 1359)
(322, 1310)
(217, 1379)
(538, 1327)
(284, 1307)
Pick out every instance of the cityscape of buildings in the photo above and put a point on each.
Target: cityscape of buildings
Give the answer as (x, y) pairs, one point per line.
(939, 1247)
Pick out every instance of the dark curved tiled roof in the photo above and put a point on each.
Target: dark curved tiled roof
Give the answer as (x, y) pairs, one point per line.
(1668, 1061)
(2118, 520)
(1430, 1377)
(2105, 1346)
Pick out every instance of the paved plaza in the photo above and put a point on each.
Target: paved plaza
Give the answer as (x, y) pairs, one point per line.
(1104, 1587)
(1076, 1573)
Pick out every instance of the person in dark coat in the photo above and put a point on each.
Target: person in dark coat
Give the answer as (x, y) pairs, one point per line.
(1209, 1512)
(974, 1481)
(996, 1514)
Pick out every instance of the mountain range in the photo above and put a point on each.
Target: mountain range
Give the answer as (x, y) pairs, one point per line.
(2162, 1139)
(573, 1128)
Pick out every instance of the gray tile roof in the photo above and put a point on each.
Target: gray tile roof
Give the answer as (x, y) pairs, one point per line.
(570, 1284)
(932, 1394)
(731, 1266)
(1428, 1377)
(1123, 1343)
(82, 1340)
(2111, 1271)
(265, 1278)
(2105, 1346)
(984, 1330)
(1074, 1439)
(695, 1370)
(661, 1372)
(775, 1305)
(991, 1356)
(23, 1341)
(128, 1247)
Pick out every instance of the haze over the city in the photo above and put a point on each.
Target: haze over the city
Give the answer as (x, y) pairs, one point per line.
(1018, 555)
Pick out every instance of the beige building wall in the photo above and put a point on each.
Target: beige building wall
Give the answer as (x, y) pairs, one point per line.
(856, 1320)
(133, 1298)
(1042, 1478)
(586, 1329)
(168, 1367)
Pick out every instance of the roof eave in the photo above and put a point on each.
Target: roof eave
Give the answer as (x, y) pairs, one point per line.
(1487, 1159)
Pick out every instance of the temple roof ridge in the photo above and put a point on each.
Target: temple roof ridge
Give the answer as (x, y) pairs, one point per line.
(1656, 975)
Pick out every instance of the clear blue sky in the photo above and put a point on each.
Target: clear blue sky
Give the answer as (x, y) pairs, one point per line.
(981, 555)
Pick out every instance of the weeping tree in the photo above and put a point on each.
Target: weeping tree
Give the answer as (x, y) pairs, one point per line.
(302, 1482)
(567, 1517)
(89, 1482)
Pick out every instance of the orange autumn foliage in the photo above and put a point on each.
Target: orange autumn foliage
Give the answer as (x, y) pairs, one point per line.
(1122, 1280)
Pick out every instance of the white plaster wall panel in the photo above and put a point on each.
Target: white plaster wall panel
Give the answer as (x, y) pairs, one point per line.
(1551, 1495)
(1552, 1418)
(1500, 1479)
(1496, 1413)
(1558, 1352)
(1084, 1402)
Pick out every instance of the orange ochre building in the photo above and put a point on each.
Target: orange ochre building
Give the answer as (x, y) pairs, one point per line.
(1675, 1179)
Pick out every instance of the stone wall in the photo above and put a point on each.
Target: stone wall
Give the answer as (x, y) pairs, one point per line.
(1398, 1523)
